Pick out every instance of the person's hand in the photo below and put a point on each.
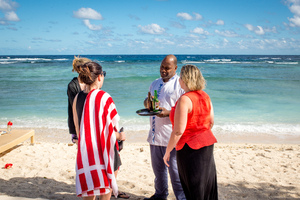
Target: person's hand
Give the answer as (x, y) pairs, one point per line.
(74, 138)
(164, 112)
(166, 158)
(122, 136)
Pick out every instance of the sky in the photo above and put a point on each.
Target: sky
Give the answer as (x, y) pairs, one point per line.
(85, 27)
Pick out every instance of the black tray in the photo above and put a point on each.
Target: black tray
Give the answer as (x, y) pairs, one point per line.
(146, 112)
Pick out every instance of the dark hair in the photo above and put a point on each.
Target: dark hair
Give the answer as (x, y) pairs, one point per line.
(88, 72)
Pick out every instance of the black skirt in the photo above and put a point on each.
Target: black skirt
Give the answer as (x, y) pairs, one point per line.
(197, 172)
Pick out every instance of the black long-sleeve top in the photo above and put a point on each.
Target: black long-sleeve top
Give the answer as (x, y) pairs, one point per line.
(73, 90)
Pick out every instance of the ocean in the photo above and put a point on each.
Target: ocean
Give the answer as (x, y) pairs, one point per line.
(251, 94)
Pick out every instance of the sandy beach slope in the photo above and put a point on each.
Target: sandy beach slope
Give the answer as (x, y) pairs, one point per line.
(45, 170)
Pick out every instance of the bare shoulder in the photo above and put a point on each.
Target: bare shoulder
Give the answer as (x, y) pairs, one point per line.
(184, 100)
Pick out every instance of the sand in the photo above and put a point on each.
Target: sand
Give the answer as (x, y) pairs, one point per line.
(252, 170)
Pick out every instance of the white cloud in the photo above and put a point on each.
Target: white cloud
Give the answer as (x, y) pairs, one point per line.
(11, 16)
(164, 41)
(249, 27)
(198, 16)
(193, 36)
(153, 29)
(270, 44)
(91, 26)
(273, 29)
(220, 22)
(258, 29)
(139, 42)
(295, 9)
(92, 42)
(186, 16)
(200, 31)
(294, 6)
(8, 7)
(295, 21)
(227, 33)
(87, 13)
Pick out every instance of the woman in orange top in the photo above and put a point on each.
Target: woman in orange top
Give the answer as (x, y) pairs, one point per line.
(192, 118)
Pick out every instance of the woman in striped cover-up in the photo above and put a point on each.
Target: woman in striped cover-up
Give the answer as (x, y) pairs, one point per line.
(96, 121)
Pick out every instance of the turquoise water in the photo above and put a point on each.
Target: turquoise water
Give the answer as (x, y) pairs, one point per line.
(250, 94)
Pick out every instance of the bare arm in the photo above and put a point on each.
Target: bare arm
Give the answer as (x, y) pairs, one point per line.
(184, 106)
(164, 112)
(75, 116)
(212, 116)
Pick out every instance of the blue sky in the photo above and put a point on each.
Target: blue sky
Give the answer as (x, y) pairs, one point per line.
(78, 27)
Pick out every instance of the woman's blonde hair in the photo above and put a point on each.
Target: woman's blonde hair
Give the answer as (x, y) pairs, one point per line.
(192, 77)
(77, 62)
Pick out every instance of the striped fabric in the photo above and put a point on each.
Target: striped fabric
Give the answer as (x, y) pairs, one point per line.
(95, 155)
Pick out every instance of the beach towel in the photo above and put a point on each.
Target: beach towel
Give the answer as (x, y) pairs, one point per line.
(95, 155)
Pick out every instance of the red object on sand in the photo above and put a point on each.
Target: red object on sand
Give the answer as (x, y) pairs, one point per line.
(8, 165)
(9, 123)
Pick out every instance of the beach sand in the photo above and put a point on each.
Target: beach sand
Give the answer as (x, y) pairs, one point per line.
(248, 168)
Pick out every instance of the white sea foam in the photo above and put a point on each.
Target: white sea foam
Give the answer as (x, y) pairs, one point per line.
(219, 60)
(5, 63)
(254, 129)
(143, 125)
(61, 59)
(264, 58)
(32, 60)
(231, 62)
(191, 62)
(286, 63)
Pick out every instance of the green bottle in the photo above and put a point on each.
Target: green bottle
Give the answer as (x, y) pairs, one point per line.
(155, 102)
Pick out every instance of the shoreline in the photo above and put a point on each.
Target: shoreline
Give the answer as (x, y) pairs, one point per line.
(46, 170)
(55, 135)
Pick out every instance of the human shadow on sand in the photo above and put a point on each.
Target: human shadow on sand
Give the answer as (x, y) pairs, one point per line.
(42, 187)
(243, 190)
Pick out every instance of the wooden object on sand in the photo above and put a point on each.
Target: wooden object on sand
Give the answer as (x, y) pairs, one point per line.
(15, 137)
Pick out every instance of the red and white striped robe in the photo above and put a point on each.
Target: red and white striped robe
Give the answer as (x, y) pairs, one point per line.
(95, 155)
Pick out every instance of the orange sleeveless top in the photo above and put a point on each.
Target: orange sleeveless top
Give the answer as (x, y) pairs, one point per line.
(197, 133)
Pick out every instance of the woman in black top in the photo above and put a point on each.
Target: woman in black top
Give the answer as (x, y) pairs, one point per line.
(74, 87)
